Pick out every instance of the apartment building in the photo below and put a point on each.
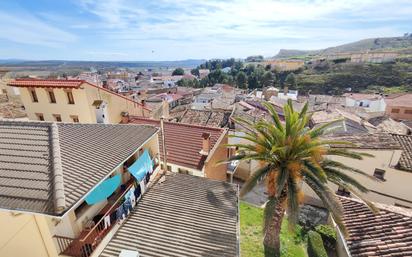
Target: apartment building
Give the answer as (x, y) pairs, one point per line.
(64, 187)
(191, 149)
(77, 101)
(392, 185)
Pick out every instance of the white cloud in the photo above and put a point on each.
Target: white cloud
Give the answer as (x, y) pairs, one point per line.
(27, 29)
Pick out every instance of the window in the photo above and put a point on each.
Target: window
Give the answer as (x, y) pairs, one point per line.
(34, 96)
(52, 97)
(70, 97)
(74, 118)
(408, 111)
(40, 116)
(379, 173)
(343, 192)
(169, 168)
(395, 111)
(57, 117)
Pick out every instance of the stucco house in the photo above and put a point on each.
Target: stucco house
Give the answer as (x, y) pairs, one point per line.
(64, 186)
(391, 185)
(399, 106)
(77, 101)
(370, 102)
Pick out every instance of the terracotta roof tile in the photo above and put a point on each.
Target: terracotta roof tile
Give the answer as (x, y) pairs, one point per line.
(58, 83)
(183, 141)
(405, 162)
(366, 141)
(387, 233)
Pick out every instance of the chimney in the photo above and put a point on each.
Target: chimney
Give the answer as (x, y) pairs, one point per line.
(125, 117)
(205, 144)
(285, 90)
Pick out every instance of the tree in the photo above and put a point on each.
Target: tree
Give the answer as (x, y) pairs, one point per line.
(241, 80)
(290, 154)
(195, 72)
(290, 81)
(267, 79)
(188, 83)
(178, 71)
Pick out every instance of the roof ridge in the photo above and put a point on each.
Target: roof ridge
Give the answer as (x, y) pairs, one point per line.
(177, 123)
(40, 79)
(58, 183)
(382, 206)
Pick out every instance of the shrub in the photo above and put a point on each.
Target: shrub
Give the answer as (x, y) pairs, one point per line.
(315, 245)
(328, 235)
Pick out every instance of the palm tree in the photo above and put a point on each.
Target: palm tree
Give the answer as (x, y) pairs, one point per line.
(291, 154)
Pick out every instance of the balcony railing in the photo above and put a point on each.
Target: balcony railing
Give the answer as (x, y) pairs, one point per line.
(89, 239)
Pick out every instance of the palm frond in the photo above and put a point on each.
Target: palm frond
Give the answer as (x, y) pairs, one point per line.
(254, 178)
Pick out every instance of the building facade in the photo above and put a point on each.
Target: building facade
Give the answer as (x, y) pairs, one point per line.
(48, 205)
(192, 149)
(399, 107)
(76, 101)
(390, 185)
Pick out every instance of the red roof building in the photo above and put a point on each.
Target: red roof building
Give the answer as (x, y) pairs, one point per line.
(190, 148)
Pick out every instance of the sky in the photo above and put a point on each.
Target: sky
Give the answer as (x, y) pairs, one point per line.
(154, 30)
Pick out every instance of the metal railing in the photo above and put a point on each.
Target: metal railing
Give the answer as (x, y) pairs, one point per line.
(86, 244)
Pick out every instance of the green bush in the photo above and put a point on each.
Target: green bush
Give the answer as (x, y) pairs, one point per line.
(328, 235)
(315, 245)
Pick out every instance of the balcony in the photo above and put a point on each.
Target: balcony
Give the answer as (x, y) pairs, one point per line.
(90, 238)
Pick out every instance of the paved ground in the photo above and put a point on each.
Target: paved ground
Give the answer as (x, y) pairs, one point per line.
(257, 196)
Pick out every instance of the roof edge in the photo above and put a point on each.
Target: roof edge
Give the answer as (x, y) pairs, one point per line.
(58, 183)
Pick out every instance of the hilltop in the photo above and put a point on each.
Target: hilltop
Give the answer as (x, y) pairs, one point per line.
(369, 44)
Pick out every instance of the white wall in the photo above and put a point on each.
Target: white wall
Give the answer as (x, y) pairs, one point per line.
(396, 184)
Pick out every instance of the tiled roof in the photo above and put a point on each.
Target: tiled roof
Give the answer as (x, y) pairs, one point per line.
(183, 141)
(183, 216)
(405, 162)
(366, 141)
(359, 96)
(35, 156)
(403, 100)
(205, 118)
(386, 124)
(58, 83)
(387, 233)
(63, 83)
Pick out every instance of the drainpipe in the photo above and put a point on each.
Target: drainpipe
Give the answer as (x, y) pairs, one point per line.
(162, 130)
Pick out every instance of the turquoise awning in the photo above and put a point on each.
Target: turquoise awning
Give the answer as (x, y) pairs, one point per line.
(142, 166)
(104, 190)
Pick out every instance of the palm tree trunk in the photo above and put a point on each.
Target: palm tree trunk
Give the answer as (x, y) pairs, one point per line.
(273, 223)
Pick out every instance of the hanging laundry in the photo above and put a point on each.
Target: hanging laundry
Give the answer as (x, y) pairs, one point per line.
(137, 192)
(127, 205)
(142, 186)
(107, 222)
(120, 213)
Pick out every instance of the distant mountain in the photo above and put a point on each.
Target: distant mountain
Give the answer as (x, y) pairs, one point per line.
(358, 46)
(191, 63)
